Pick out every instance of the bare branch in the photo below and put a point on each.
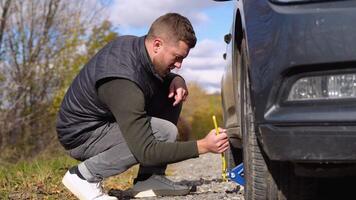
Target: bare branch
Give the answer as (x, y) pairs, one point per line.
(3, 20)
(41, 42)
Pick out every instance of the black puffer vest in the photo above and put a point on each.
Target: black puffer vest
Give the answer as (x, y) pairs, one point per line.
(81, 110)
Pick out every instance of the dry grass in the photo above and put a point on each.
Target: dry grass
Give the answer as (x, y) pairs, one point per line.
(41, 177)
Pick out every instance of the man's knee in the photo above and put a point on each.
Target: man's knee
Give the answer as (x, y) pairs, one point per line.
(164, 130)
(172, 132)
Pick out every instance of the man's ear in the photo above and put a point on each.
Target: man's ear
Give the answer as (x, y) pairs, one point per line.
(157, 44)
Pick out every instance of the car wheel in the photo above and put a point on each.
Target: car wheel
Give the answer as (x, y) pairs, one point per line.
(233, 157)
(266, 179)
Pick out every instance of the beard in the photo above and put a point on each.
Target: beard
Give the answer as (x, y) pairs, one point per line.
(164, 72)
(160, 68)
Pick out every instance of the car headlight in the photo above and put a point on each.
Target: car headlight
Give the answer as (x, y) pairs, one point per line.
(340, 86)
(294, 1)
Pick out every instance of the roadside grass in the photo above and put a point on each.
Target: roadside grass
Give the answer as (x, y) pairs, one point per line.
(36, 179)
(40, 178)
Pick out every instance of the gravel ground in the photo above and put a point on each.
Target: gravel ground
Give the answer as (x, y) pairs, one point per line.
(204, 173)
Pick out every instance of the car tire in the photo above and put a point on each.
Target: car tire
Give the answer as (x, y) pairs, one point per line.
(265, 179)
(233, 157)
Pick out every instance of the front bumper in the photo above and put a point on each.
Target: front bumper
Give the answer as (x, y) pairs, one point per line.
(286, 42)
(318, 144)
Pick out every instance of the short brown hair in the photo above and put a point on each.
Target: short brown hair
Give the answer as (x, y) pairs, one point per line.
(173, 25)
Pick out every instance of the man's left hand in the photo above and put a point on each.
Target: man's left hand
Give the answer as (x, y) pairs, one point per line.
(178, 89)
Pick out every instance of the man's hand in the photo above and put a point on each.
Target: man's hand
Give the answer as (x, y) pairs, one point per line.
(214, 143)
(178, 90)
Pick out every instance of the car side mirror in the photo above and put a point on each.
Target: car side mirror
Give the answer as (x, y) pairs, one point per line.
(227, 38)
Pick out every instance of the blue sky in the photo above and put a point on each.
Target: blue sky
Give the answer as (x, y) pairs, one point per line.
(211, 21)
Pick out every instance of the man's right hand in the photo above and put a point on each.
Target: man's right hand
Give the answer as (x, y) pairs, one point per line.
(214, 143)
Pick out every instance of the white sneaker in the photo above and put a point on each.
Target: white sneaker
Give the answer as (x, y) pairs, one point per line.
(83, 189)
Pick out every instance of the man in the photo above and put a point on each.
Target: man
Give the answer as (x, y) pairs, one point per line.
(122, 108)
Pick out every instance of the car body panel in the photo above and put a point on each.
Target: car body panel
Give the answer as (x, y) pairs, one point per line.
(284, 43)
(281, 38)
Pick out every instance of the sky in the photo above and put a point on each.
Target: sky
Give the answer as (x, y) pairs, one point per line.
(211, 21)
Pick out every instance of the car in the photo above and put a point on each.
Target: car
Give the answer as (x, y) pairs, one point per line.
(289, 95)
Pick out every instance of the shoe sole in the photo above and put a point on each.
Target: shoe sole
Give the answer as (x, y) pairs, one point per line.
(147, 193)
(69, 185)
(154, 193)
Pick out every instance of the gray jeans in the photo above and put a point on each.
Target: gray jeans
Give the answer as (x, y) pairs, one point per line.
(106, 153)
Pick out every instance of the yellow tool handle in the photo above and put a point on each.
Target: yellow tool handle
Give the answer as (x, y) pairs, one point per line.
(215, 125)
(222, 154)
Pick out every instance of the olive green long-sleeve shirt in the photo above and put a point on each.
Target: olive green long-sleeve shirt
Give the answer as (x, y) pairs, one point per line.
(127, 103)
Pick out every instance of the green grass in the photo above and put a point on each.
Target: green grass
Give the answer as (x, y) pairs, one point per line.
(41, 177)
(36, 179)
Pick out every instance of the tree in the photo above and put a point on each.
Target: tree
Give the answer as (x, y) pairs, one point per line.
(199, 109)
(5, 6)
(42, 43)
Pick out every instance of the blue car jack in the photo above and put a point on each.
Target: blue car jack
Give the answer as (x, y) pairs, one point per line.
(237, 174)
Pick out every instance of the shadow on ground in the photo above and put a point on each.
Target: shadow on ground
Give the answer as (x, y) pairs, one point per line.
(127, 194)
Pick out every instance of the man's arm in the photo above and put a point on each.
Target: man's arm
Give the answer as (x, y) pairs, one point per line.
(126, 101)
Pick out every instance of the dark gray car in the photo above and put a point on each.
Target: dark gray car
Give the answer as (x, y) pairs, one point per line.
(289, 94)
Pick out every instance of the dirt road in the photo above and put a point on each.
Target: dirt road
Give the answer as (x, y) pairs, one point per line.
(204, 173)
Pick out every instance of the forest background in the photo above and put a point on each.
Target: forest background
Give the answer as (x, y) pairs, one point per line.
(43, 45)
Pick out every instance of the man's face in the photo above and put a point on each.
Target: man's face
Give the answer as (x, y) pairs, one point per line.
(168, 55)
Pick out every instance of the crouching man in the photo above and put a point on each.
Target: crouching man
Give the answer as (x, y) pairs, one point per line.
(122, 109)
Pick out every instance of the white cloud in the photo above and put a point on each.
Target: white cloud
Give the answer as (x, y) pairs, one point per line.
(141, 13)
(205, 65)
(208, 79)
(206, 55)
